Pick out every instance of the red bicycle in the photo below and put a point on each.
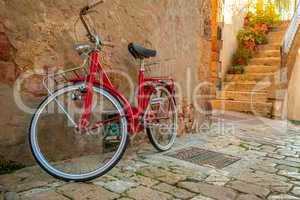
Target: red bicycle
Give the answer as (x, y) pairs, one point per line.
(81, 130)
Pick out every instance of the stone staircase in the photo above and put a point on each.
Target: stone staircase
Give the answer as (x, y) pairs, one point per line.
(255, 91)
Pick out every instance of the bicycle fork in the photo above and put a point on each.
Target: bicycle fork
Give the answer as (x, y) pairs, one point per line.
(84, 121)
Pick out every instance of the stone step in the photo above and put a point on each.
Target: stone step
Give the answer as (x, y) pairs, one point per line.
(276, 93)
(244, 96)
(261, 68)
(282, 25)
(247, 86)
(256, 108)
(279, 33)
(275, 39)
(274, 61)
(280, 28)
(270, 46)
(267, 53)
(250, 77)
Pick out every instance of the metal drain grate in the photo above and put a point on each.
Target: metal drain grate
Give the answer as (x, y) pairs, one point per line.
(204, 157)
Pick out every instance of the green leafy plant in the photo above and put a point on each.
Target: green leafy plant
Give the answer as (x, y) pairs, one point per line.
(241, 56)
(269, 17)
(260, 38)
(251, 37)
(246, 38)
(236, 69)
(249, 19)
(256, 27)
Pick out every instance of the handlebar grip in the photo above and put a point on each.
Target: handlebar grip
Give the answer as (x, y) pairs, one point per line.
(96, 4)
(85, 9)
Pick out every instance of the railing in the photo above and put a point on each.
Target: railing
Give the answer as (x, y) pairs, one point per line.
(289, 36)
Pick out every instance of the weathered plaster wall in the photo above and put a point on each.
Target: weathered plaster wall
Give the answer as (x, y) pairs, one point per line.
(41, 34)
(294, 91)
(234, 13)
(293, 76)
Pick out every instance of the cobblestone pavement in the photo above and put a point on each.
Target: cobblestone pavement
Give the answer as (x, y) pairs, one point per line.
(268, 169)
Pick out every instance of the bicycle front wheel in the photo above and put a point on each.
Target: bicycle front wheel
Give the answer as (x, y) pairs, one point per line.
(68, 153)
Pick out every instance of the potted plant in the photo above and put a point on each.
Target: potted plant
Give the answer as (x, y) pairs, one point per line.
(246, 38)
(241, 56)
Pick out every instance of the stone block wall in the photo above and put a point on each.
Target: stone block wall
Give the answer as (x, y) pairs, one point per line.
(40, 35)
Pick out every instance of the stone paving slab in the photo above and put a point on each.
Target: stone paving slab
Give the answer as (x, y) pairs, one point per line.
(83, 191)
(248, 197)
(208, 190)
(51, 195)
(269, 168)
(143, 193)
(247, 188)
(174, 191)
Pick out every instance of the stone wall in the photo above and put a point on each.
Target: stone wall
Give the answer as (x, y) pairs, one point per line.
(41, 34)
(293, 74)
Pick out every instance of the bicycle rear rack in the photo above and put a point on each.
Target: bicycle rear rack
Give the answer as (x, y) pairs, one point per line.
(59, 79)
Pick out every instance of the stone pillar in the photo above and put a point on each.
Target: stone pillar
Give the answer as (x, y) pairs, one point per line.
(214, 42)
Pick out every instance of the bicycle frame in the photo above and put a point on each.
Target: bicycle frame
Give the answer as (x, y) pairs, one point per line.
(145, 88)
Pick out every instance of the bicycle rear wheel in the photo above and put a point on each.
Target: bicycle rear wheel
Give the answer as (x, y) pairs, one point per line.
(160, 119)
(68, 153)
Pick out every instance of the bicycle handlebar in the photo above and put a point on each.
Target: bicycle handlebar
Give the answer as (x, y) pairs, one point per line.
(96, 4)
(83, 12)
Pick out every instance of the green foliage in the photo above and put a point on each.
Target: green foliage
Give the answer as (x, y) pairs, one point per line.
(241, 56)
(249, 37)
(246, 35)
(236, 69)
(260, 38)
(139, 173)
(256, 27)
(268, 17)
